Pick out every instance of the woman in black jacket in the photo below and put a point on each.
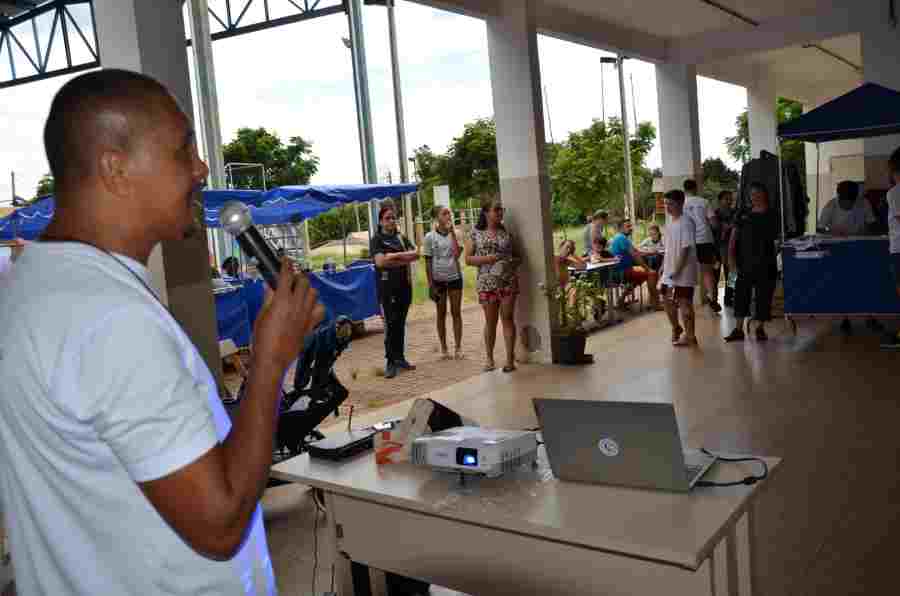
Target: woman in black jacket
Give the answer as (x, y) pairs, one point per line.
(753, 255)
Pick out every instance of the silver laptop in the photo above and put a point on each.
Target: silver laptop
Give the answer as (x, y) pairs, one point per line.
(619, 443)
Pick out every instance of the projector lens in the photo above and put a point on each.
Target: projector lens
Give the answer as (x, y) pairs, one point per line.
(467, 457)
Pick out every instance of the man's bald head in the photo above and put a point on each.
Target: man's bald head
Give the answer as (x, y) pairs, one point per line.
(99, 111)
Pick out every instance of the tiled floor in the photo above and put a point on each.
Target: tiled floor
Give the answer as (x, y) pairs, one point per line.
(828, 404)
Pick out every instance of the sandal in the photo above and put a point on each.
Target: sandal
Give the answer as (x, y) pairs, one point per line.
(489, 367)
(446, 356)
(676, 333)
(685, 342)
(459, 355)
(509, 368)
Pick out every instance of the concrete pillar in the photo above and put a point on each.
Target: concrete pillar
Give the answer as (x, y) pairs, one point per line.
(762, 117)
(880, 53)
(148, 36)
(524, 182)
(679, 124)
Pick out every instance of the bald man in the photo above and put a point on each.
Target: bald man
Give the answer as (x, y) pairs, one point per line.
(121, 471)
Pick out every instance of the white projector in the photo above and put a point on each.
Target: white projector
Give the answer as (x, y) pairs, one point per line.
(474, 450)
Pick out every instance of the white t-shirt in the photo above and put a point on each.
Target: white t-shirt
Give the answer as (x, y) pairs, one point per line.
(893, 201)
(101, 390)
(444, 264)
(697, 208)
(5, 260)
(679, 235)
(852, 222)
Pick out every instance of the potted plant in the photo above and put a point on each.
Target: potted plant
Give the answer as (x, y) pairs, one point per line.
(573, 301)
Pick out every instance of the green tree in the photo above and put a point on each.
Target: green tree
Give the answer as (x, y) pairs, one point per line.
(472, 161)
(46, 186)
(588, 173)
(717, 176)
(792, 151)
(291, 164)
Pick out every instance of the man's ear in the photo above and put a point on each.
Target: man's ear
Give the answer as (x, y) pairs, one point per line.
(113, 171)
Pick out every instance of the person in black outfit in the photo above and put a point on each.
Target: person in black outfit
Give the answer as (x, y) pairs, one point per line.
(393, 254)
(722, 224)
(752, 253)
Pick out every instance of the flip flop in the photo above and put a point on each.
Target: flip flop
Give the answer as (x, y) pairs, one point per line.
(685, 343)
(508, 368)
(489, 368)
(459, 356)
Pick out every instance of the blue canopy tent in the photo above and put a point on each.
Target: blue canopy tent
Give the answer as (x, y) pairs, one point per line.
(282, 205)
(868, 111)
(818, 270)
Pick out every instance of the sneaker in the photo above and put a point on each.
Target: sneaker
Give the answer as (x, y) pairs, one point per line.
(390, 371)
(891, 341)
(736, 335)
(405, 365)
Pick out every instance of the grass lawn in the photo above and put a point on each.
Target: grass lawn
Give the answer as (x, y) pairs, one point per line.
(420, 288)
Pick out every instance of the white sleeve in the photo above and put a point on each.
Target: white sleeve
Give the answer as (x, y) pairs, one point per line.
(146, 404)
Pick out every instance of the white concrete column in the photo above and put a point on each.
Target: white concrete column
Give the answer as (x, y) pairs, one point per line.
(762, 117)
(880, 54)
(148, 36)
(679, 124)
(524, 182)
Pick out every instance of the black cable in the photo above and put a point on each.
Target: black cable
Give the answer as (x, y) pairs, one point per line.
(747, 481)
(315, 550)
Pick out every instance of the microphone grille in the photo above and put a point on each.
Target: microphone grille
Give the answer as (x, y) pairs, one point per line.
(235, 217)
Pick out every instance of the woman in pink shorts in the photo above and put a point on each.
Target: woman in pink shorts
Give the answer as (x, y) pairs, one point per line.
(489, 247)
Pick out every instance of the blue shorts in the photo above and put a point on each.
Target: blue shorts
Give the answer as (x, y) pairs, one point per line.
(895, 267)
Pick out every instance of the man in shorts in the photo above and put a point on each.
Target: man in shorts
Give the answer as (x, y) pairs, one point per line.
(679, 273)
(697, 209)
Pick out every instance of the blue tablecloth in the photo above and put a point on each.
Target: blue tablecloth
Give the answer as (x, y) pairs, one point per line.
(232, 318)
(350, 292)
(843, 277)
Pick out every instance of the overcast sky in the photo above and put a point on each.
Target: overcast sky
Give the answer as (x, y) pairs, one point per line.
(297, 80)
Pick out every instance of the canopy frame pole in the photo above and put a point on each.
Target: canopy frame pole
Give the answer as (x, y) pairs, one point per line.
(782, 196)
(818, 181)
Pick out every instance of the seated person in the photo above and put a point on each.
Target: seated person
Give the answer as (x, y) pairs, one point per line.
(848, 214)
(599, 254)
(567, 258)
(652, 248)
(231, 267)
(630, 256)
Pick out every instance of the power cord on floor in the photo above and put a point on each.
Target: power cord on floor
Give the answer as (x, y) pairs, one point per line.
(748, 480)
(315, 550)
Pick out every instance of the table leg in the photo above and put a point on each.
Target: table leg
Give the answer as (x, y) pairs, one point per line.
(740, 560)
(718, 563)
(351, 579)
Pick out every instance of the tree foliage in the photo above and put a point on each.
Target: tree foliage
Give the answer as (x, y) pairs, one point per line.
(46, 186)
(792, 151)
(588, 172)
(472, 161)
(717, 176)
(291, 164)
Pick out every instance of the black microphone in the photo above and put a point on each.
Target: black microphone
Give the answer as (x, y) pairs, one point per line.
(236, 219)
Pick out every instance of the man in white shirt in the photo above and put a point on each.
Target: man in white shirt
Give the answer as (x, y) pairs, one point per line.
(892, 340)
(122, 473)
(848, 214)
(698, 210)
(679, 273)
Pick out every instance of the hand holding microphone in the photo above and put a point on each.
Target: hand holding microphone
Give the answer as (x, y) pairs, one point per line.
(292, 311)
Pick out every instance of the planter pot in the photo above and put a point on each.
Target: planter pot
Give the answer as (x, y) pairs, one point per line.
(569, 349)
